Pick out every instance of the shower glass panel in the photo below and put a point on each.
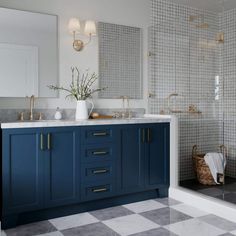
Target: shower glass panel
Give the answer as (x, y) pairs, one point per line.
(192, 74)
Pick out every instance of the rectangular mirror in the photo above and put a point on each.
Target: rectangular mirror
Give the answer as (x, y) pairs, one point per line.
(120, 61)
(28, 53)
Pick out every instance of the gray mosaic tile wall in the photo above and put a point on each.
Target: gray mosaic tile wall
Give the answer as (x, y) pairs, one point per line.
(120, 61)
(186, 59)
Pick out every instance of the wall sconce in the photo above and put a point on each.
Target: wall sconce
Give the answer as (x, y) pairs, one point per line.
(74, 28)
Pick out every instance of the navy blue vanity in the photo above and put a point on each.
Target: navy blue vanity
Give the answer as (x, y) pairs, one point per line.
(56, 171)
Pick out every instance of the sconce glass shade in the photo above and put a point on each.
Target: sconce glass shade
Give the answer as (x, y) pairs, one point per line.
(90, 28)
(74, 25)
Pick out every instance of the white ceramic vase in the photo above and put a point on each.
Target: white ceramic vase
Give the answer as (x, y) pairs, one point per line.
(82, 110)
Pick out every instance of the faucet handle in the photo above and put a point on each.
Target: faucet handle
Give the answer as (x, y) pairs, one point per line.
(130, 115)
(40, 116)
(21, 116)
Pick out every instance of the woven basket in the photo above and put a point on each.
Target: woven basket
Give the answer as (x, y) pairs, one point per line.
(201, 169)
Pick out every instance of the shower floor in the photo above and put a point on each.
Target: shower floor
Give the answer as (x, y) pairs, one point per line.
(226, 192)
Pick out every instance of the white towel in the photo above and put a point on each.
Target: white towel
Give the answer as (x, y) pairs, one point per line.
(216, 162)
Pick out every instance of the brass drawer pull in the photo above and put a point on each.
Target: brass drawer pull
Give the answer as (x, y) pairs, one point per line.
(49, 141)
(41, 142)
(97, 153)
(103, 171)
(100, 134)
(99, 190)
(143, 135)
(149, 135)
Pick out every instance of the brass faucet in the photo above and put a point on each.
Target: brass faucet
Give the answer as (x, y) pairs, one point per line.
(126, 111)
(32, 99)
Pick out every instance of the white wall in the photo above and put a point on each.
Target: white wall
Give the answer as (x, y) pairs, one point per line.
(126, 12)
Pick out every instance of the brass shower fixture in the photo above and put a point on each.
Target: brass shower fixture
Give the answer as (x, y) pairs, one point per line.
(201, 25)
(220, 37)
(194, 17)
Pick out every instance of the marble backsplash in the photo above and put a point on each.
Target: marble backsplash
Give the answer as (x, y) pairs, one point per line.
(11, 115)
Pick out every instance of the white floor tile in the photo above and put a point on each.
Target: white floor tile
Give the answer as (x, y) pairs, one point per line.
(57, 233)
(143, 206)
(73, 221)
(131, 224)
(194, 227)
(189, 210)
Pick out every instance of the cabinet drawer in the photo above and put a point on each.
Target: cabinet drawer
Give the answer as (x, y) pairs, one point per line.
(97, 134)
(90, 192)
(98, 153)
(95, 172)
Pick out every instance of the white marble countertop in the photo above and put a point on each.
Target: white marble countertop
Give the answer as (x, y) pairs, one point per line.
(63, 123)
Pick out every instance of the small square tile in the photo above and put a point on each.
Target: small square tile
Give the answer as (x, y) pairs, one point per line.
(143, 206)
(189, 210)
(131, 224)
(165, 216)
(168, 201)
(112, 212)
(155, 232)
(219, 222)
(194, 227)
(71, 221)
(41, 227)
(98, 229)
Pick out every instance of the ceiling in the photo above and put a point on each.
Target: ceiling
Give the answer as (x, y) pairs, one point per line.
(211, 5)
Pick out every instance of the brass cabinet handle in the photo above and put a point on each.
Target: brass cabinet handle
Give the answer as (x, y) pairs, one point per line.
(143, 135)
(49, 141)
(97, 153)
(99, 190)
(103, 171)
(100, 134)
(41, 142)
(149, 135)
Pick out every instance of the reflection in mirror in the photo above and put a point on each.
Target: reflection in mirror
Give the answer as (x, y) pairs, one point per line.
(120, 59)
(28, 53)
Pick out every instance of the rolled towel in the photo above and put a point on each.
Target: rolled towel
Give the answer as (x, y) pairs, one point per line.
(216, 162)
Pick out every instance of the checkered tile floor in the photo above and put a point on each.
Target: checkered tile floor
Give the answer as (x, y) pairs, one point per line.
(157, 217)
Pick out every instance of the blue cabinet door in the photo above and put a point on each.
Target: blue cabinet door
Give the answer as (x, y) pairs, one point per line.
(157, 155)
(132, 158)
(62, 166)
(22, 170)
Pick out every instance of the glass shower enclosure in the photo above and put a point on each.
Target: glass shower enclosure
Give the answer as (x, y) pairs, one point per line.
(192, 74)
